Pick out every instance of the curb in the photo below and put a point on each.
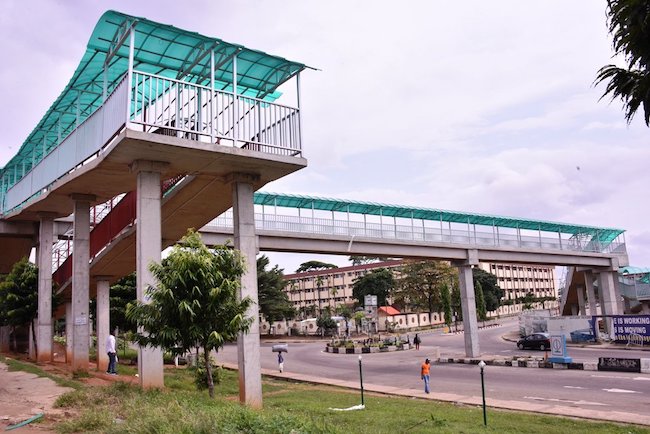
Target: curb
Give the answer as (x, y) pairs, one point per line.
(525, 363)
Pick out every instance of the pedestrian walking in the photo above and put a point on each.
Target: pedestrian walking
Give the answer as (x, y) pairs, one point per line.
(112, 356)
(424, 374)
(280, 362)
(416, 341)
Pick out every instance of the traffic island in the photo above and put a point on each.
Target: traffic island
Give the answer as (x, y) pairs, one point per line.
(367, 346)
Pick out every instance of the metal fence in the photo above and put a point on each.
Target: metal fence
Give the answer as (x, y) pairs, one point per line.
(177, 108)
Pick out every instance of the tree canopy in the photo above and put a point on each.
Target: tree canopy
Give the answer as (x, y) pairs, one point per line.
(195, 303)
(122, 293)
(273, 301)
(378, 282)
(492, 293)
(314, 265)
(420, 285)
(629, 25)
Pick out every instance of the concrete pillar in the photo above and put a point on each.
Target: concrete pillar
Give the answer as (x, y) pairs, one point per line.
(609, 302)
(608, 297)
(591, 292)
(44, 263)
(581, 299)
(4, 338)
(103, 322)
(468, 303)
(68, 332)
(148, 250)
(248, 344)
(81, 282)
(574, 309)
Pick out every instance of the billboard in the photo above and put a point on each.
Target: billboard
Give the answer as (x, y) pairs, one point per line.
(631, 327)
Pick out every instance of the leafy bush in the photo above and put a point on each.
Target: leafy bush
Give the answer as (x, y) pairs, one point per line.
(200, 373)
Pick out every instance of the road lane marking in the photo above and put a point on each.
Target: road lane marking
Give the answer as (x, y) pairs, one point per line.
(617, 377)
(565, 401)
(620, 391)
(574, 387)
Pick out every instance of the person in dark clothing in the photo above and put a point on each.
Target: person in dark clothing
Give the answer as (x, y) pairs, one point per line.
(416, 341)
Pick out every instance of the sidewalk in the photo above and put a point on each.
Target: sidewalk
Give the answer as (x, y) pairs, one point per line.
(550, 409)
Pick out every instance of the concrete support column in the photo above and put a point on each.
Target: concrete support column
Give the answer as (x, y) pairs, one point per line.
(468, 303)
(581, 299)
(608, 300)
(148, 250)
(44, 263)
(81, 282)
(68, 332)
(103, 322)
(591, 292)
(574, 309)
(248, 344)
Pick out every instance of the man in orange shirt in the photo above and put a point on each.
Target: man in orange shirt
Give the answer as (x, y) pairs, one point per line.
(424, 373)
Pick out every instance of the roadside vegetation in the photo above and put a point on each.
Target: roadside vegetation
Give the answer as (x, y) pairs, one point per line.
(288, 408)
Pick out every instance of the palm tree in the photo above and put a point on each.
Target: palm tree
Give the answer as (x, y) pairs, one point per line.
(629, 24)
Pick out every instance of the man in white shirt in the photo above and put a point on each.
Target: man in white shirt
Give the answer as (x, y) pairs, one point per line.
(110, 349)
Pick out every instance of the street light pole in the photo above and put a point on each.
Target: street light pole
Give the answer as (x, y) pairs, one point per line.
(482, 365)
(361, 379)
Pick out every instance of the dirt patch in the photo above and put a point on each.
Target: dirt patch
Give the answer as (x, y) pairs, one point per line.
(23, 395)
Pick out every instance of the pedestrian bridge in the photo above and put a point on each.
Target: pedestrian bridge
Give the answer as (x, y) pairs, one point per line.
(306, 224)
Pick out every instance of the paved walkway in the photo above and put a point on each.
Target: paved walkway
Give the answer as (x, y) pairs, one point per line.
(544, 408)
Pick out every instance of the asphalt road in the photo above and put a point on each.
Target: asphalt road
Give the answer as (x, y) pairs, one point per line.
(603, 391)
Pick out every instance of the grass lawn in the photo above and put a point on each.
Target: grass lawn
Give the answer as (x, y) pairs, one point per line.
(289, 407)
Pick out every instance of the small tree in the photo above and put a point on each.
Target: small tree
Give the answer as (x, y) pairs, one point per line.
(445, 295)
(492, 293)
(358, 319)
(19, 297)
(195, 304)
(273, 301)
(481, 313)
(378, 282)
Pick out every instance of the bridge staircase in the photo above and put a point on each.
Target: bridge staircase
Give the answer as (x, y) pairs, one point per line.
(188, 202)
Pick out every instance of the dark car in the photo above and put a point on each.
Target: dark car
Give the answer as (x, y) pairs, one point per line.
(536, 341)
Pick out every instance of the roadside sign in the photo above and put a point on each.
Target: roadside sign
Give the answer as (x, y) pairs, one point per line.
(558, 346)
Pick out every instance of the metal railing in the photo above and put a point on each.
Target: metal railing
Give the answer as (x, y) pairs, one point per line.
(412, 232)
(177, 108)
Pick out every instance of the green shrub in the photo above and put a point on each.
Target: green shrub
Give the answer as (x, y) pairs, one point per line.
(201, 376)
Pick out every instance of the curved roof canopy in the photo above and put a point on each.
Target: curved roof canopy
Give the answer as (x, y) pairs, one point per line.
(159, 49)
(603, 235)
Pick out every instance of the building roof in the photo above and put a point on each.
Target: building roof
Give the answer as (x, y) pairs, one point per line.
(389, 310)
(160, 49)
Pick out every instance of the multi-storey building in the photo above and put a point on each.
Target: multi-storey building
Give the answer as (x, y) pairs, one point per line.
(315, 290)
(331, 287)
(518, 280)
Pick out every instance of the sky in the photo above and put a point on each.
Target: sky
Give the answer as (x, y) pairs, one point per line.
(474, 106)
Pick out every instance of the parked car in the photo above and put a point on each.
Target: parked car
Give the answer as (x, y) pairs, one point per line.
(541, 341)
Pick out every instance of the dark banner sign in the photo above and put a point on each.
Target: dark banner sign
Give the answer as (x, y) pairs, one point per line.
(619, 365)
(635, 328)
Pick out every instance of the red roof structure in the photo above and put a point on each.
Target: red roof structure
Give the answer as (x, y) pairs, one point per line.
(389, 310)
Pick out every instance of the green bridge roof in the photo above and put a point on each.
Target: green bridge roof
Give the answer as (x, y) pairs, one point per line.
(159, 49)
(603, 235)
